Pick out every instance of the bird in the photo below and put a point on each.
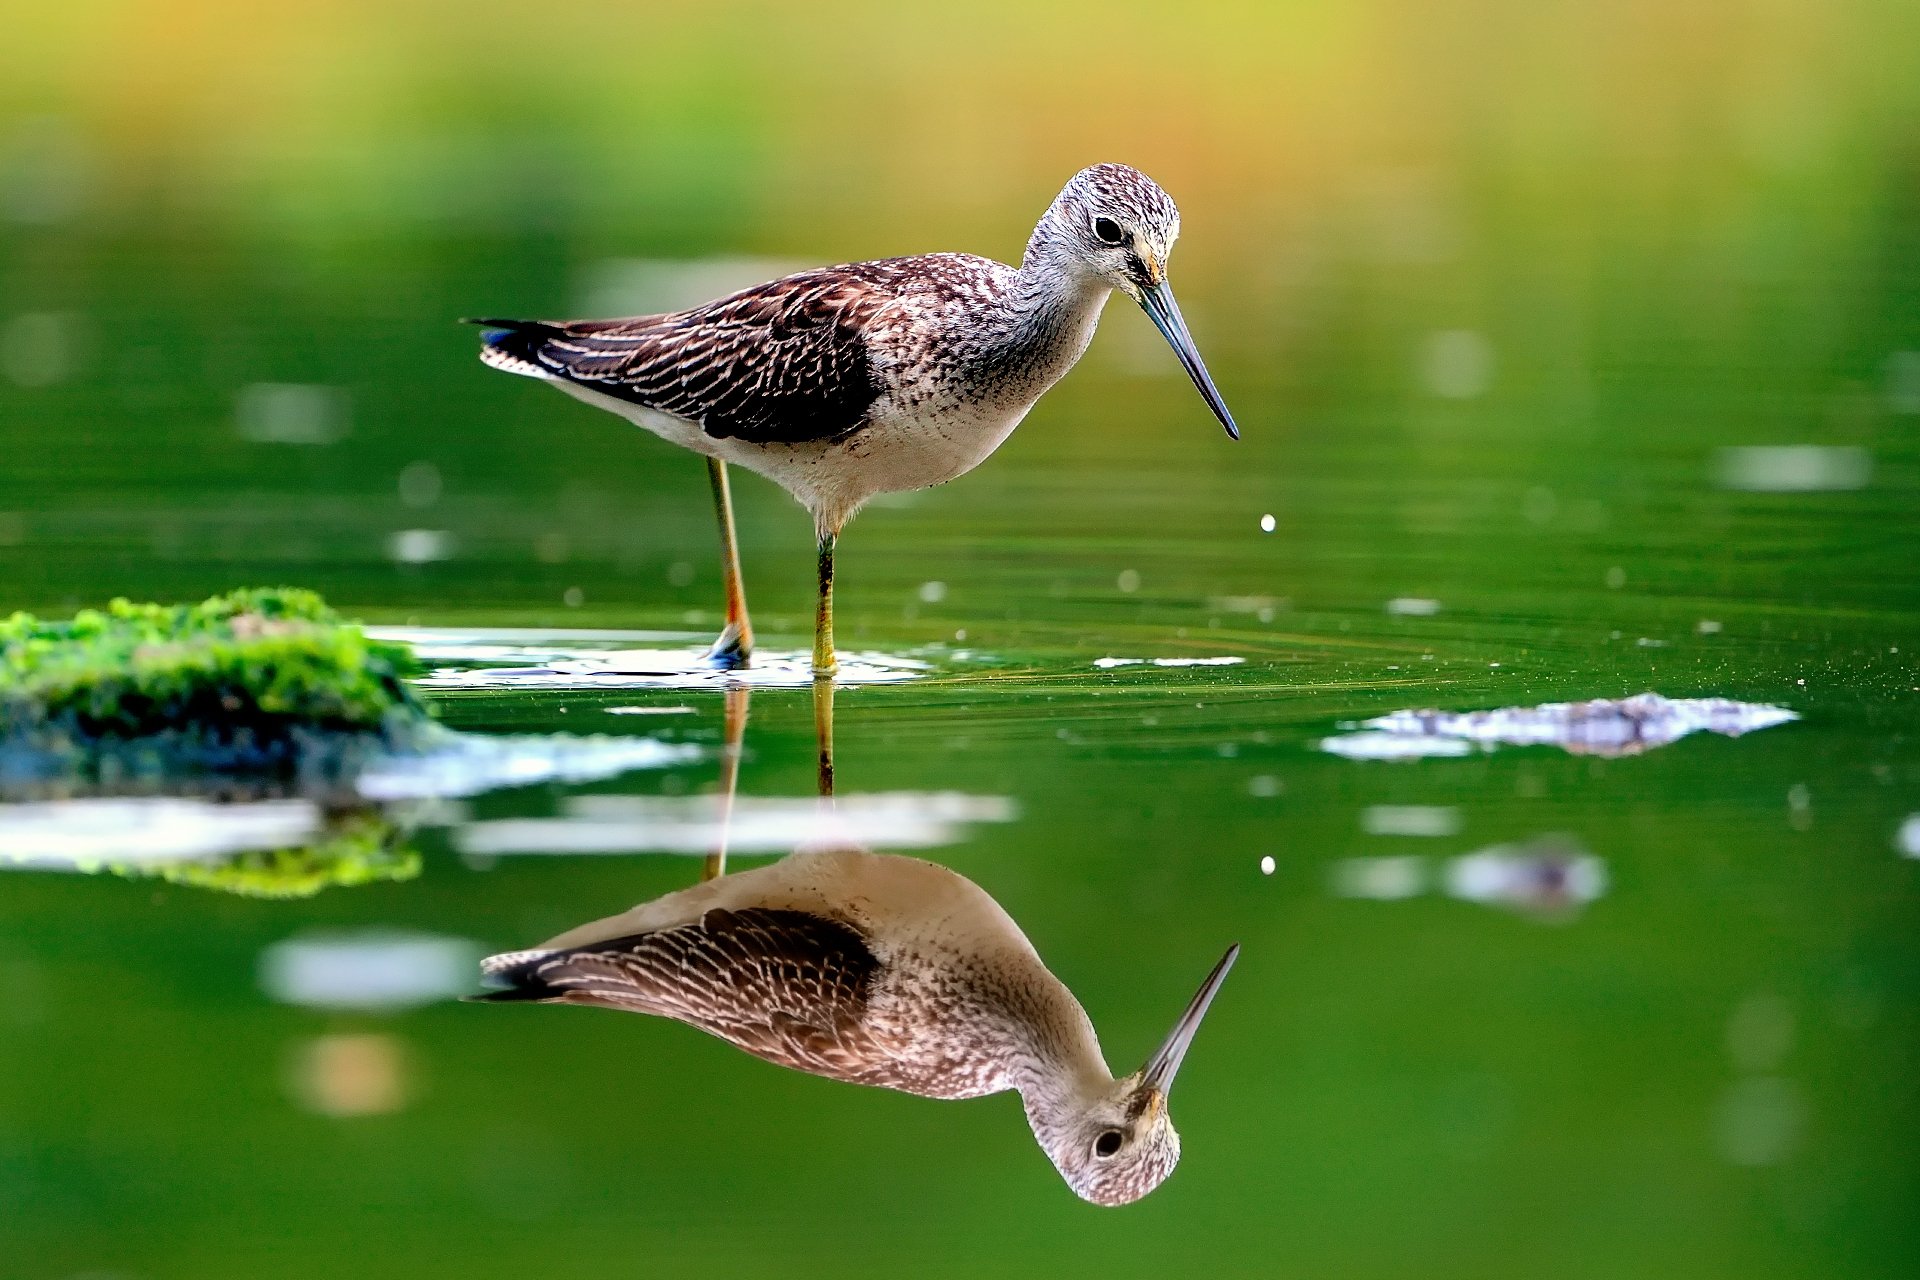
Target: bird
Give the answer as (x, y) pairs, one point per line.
(845, 382)
(879, 969)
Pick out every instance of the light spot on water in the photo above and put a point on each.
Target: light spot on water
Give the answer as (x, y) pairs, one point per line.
(1760, 1032)
(1758, 1121)
(680, 573)
(1616, 579)
(573, 597)
(350, 1074)
(1268, 523)
(1128, 581)
(291, 413)
(1800, 468)
(1707, 627)
(1381, 879)
(1266, 865)
(1410, 820)
(1456, 364)
(649, 711)
(420, 546)
(1413, 607)
(1550, 877)
(37, 347)
(1907, 841)
(933, 592)
(1264, 786)
(1903, 382)
(419, 484)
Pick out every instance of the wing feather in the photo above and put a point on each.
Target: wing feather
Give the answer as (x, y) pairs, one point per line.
(785, 362)
(787, 986)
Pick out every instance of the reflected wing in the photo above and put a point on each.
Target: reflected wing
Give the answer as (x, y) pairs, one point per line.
(787, 986)
(784, 362)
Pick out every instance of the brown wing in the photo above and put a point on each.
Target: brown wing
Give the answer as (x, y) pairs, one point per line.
(787, 986)
(784, 362)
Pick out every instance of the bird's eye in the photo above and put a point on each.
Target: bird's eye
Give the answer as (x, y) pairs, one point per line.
(1108, 231)
(1108, 1143)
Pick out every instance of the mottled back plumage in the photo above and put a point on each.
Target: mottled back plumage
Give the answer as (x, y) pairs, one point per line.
(788, 986)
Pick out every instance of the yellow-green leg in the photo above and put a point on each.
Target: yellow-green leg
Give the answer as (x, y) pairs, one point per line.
(734, 648)
(823, 656)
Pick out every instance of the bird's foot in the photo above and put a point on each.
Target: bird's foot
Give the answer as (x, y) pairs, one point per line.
(733, 651)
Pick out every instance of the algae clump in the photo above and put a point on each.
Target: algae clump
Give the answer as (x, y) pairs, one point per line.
(360, 848)
(254, 679)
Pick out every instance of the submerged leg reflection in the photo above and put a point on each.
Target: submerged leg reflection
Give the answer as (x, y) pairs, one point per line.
(734, 730)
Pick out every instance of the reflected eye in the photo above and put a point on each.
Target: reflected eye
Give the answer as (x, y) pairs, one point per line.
(1108, 231)
(1108, 1143)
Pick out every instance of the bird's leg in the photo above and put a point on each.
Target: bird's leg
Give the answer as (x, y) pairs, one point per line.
(734, 731)
(734, 648)
(823, 731)
(823, 657)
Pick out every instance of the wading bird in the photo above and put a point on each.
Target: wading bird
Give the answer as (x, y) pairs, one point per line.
(882, 970)
(874, 377)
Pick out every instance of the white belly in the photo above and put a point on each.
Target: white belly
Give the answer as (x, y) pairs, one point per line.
(892, 454)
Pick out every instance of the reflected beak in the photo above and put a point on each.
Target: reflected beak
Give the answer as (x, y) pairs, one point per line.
(1157, 301)
(1158, 1074)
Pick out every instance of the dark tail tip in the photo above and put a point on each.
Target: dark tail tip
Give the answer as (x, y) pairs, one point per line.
(509, 995)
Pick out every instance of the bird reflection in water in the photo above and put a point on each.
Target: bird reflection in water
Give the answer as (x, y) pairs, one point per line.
(882, 970)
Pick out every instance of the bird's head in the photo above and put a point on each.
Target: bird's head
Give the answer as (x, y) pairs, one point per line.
(1118, 1143)
(1119, 228)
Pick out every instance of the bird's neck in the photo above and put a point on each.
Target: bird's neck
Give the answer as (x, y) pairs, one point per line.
(1047, 319)
(1059, 1069)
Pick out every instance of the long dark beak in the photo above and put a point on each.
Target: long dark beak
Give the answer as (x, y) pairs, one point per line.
(1157, 301)
(1159, 1071)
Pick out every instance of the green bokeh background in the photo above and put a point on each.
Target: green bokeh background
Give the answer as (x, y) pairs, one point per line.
(1489, 286)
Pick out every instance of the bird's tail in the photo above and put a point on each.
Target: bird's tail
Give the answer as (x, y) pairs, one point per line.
(514, 976)
(513, 346)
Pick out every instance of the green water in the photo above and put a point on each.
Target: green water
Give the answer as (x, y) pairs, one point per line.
(1489, 323)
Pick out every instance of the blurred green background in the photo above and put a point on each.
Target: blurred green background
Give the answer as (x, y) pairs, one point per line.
(1519, 305)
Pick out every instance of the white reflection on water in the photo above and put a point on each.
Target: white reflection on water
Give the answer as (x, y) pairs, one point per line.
(473, 763)
(508, 658)
(1107, 664)
(759, 824)
(378, 970)
(1908, 840)
(81, 834)
(85, 833)
(1549, 877)
(1602, 727)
